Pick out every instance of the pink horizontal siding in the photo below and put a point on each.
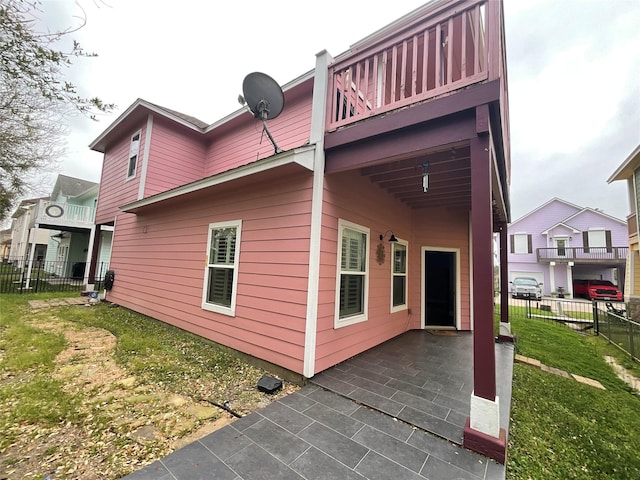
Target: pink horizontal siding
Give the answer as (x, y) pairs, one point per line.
(246, 143)
(115, 189)
(176, 157)
(352, 197)
(160, 273)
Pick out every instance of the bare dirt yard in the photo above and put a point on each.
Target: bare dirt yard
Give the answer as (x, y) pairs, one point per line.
(123, 422)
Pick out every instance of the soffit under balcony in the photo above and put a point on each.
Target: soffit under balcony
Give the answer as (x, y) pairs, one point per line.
(449, 178)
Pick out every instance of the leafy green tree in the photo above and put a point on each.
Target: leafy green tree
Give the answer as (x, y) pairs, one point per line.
(35, 98)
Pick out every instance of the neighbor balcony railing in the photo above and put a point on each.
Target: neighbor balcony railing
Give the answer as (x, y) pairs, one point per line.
(56, 214)
(449, 50)
(586, 254)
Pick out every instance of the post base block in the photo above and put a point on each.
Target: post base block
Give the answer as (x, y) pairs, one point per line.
(484, 444)
(505, 334)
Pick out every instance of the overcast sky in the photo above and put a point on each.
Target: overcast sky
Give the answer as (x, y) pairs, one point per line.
(573, 72)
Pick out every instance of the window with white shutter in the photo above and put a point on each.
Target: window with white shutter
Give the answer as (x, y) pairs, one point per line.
(352, 279)
(221, 277)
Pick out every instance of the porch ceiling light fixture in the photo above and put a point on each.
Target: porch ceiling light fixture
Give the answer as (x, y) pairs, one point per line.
(425, 177)
(392, 238)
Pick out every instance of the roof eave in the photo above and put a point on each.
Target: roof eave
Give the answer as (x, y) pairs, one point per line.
(287, 86)
(303, 156)
(99, 143)
(625, 170)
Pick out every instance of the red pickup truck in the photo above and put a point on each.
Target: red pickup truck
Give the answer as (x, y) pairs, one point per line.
(597, 290)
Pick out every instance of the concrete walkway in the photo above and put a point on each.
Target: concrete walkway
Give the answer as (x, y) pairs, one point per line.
(317, 433)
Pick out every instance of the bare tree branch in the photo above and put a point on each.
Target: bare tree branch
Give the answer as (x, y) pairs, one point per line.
(35, 98)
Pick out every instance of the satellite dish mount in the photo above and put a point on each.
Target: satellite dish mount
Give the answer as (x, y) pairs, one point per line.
(264, 98)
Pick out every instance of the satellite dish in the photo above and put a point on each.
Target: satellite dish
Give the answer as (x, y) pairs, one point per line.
(263, 95)
(264, 98)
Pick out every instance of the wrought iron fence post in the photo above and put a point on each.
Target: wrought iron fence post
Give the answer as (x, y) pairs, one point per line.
(22, 270)
(596, 323)
(631, 349)
(39, 271)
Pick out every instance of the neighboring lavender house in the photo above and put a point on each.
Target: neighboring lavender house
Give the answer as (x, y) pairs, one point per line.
(559, 242)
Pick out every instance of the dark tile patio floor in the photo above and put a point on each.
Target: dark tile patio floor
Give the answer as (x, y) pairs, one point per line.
(396, 411)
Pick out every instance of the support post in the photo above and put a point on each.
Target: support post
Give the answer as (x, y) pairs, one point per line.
(88, 280)
(482, 432)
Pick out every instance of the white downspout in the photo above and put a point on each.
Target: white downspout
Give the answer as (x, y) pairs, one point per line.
(145, 157)
(318, 119)
(87, 265)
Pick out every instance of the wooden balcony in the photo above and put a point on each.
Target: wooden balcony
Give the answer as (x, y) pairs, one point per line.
(601, 255)
(63, 216)
(453, 45)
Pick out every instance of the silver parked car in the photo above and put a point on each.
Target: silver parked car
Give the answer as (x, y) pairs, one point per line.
(526, 287)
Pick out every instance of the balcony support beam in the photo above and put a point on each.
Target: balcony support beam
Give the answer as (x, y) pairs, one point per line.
(407, 143)
(436, 109)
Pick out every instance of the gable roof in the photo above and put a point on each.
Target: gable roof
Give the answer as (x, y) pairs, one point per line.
(597, 212)
(560, 224)
(71, 186)
(141, 108)
(19, 211)
(554, 199)
(567, 220)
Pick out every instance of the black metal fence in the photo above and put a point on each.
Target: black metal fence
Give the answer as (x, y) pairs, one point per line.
(51, 276)
(607, 319)
(621, 331)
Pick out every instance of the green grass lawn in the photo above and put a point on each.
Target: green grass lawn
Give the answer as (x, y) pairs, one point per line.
(560, 428)
(170, 371)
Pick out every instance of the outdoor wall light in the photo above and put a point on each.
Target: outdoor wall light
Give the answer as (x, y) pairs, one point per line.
(392, 238)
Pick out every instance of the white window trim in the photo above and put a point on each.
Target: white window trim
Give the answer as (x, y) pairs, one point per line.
(137, 155)
(231, 311)
(594, 231)
(404, 306)
(351, 320)
(515, 243)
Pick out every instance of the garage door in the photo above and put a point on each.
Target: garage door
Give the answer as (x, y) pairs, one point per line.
(539, 276)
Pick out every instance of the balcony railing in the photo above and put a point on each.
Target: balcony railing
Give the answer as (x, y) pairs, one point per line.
(583, 254)
(56, 214)
(447, 51)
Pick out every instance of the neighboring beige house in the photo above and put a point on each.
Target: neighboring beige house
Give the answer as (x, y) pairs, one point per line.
(21, 235)
(5, 244)
(629, 170)
(57, 233)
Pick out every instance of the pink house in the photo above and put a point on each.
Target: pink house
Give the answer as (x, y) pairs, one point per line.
(285, 255)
